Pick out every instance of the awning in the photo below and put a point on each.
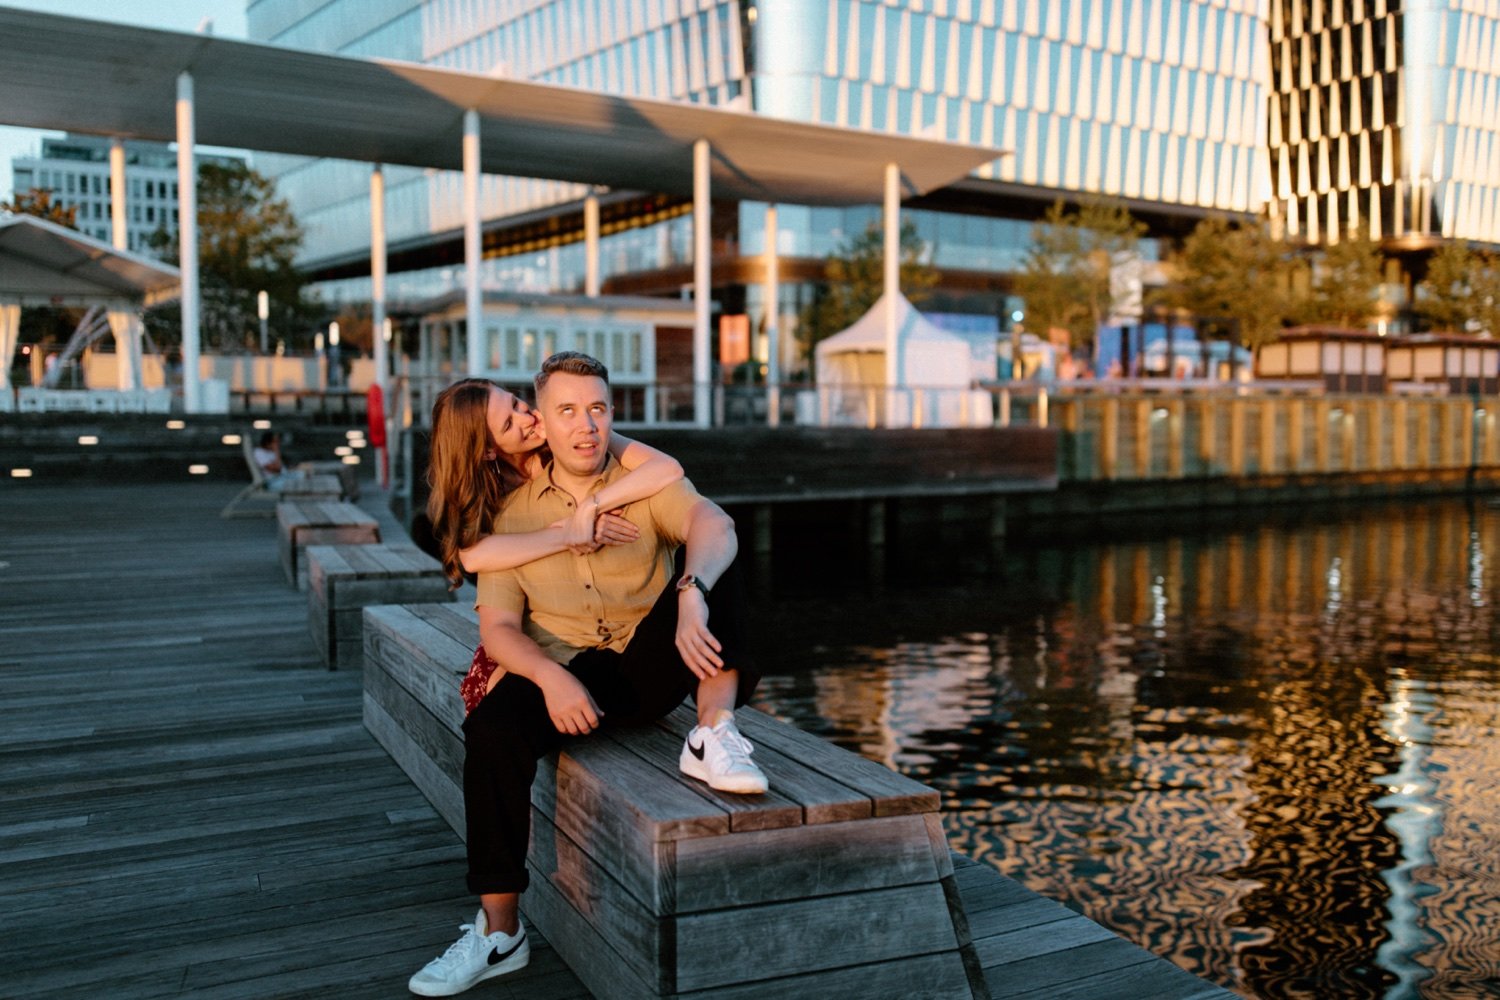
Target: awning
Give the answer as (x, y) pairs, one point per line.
(118, 80)
(43, 263)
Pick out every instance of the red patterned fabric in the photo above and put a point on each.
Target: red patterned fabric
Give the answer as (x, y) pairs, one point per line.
(477, 681)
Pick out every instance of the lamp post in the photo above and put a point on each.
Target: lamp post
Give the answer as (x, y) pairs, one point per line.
(334, 374)
(263, 310)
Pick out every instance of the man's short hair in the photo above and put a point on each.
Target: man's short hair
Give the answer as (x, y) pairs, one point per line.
(570, 363)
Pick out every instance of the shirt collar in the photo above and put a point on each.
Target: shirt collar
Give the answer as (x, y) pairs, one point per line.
(543, 484)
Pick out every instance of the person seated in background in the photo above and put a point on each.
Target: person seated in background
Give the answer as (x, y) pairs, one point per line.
(268, 457)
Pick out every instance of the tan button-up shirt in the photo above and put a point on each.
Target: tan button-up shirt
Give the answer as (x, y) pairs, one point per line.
(568, 603)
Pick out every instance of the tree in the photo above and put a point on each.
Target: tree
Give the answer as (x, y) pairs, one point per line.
(1461, 291)
(1484, 289)
(854, 276)
(38, 202)
(1445, 293)
(1069, 278)
(1346, 277)
(247, 242)
(1234, 279)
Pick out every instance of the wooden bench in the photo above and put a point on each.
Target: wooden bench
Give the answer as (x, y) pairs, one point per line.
(838, 882)
(300, 523)
(343, 579)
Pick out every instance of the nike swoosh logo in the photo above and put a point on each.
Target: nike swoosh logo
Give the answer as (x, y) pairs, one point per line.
(496, 958)
(696, 751)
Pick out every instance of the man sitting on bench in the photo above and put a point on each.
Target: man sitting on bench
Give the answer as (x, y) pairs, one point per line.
(612, 638)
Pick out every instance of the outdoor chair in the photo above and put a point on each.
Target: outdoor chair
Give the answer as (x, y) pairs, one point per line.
(312, 486)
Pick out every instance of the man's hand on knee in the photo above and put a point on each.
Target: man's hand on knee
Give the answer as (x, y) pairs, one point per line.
(569, 704)
(699, 649)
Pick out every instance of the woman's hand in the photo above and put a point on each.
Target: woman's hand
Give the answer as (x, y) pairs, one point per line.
(569, 704)
(579, 528)
(612, 529)
(699, 649)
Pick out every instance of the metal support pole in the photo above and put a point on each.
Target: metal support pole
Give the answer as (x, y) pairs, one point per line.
(377, 281)
(892, 290)
(591, 245)
(377, 312)
(120, 236)
(772, 309)
(474, 301)
(187, 242)
(701, 338)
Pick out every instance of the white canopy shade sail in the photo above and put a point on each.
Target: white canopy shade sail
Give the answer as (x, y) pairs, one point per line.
(43, 263)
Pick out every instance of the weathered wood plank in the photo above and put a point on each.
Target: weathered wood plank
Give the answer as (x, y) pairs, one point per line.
(596, 964)
(642, 940)
(892, 794)
(1048, 974)
(809, 935)
(439, 743)
(446, 796)
(821, 799)
(801, 862)
(659, 749)
(928, 977)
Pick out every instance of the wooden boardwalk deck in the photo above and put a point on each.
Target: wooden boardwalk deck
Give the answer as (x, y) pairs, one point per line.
(189, 804)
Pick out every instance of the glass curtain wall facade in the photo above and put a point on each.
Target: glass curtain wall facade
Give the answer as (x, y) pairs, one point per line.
(1163, 101)
(75, 170)
(1385, 118)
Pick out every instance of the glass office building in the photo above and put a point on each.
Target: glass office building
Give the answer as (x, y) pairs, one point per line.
(1159, 102)
(1385, 118)
(75, 170)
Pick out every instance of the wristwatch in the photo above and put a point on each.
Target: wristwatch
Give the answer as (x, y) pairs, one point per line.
(689, 581)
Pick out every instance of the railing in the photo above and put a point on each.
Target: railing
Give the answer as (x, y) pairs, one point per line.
(340, 404)
(1275, 433)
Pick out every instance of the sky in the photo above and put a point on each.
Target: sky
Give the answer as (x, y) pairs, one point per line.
(228, 17)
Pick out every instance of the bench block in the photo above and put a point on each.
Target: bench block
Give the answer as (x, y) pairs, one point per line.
(300, 523)
(647, 882)
(343, 579)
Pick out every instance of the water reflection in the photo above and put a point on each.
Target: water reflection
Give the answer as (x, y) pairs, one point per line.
(1269, 755)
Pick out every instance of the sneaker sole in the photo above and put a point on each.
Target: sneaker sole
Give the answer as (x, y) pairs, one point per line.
(519, 960)
(695, 768)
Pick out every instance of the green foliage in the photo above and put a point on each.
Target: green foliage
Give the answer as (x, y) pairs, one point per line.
(247, 242)
(1068, 278)
(854, 277)
(1461, 291)
(1345, 280)
(1234, 279)
(38, 202)
(1445, 293)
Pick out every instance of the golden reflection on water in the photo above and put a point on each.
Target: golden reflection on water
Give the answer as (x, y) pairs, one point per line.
(1270, 756)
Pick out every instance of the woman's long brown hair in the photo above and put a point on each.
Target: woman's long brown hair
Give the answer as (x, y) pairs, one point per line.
(466, 487)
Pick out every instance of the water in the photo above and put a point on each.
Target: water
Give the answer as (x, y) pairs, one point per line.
(1268, 754)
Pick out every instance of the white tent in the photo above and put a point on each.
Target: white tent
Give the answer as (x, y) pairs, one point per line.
(935, 375)
(42, 263)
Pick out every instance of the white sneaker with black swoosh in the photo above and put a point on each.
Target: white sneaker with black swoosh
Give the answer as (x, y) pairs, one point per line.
(720, 756)
(476, 956)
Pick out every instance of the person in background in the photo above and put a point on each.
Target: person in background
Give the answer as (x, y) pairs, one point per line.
(268, 457)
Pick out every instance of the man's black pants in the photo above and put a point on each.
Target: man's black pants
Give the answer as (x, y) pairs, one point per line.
(510, 729)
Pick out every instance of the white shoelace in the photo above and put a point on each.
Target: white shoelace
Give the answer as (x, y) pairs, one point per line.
(460, 949)
(736, 747)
